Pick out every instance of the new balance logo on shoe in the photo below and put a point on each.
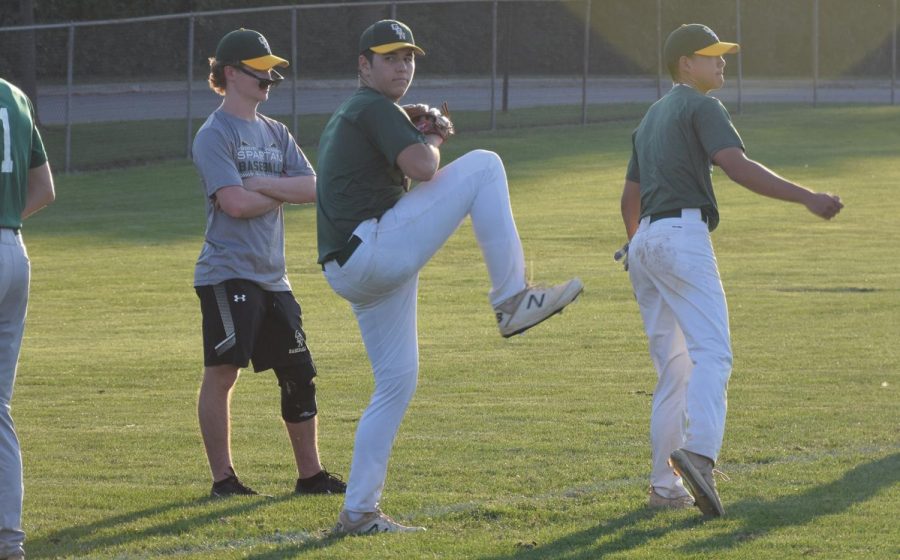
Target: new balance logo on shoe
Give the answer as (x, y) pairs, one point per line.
(534, 301)
(533, 305)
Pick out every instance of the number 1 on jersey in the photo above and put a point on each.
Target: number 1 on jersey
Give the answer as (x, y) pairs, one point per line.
(7, 165)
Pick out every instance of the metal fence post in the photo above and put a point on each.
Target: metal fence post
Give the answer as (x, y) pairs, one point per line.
(493, 64)
(70, 71)
(658, 49)
(587, 47)
(740, 56)
(190, 79)
(507, 57)
(815, 48)
(894, 54)
(294, 56)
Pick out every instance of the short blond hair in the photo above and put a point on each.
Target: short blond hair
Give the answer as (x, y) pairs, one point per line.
(216, 78)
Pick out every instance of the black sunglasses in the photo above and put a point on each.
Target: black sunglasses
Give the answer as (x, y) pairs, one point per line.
(263, 82)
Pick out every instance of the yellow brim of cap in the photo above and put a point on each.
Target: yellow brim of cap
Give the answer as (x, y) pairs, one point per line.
(266, 62)
(718, 49)
(390, 47)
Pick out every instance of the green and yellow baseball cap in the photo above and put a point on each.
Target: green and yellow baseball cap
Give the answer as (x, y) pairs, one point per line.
(387, 35)
(250, 48)
(695, 38)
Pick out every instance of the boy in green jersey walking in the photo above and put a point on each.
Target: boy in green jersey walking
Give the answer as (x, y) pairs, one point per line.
(669, 209)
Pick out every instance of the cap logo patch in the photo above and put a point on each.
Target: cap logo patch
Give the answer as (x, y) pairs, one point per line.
(399, 31)
(264, 43)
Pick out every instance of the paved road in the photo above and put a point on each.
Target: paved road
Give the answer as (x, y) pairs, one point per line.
(128, 102)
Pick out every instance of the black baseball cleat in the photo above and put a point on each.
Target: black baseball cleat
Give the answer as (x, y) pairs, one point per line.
(231, 486)
(322, 483)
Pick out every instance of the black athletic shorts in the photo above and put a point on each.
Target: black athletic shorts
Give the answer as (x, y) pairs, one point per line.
(243, 322)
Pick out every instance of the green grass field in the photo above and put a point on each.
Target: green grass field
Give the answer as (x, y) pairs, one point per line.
(534, 447)
(121, 144)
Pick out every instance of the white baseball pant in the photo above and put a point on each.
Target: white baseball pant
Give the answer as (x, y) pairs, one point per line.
(677, 285)
(380, 280)
(15, 274)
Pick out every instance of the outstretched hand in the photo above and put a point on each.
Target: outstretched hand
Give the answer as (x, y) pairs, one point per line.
(824, 205)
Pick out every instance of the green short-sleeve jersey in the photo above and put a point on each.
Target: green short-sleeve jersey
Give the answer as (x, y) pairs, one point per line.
(358, 176)
(21, 149)
(672, 151)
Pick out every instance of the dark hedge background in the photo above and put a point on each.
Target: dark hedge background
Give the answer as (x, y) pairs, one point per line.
(541, 38)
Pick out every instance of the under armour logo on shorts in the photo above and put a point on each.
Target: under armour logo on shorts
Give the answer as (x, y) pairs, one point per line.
(238, 298)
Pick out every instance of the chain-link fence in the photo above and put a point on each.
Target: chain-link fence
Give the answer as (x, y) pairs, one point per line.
(115, 92)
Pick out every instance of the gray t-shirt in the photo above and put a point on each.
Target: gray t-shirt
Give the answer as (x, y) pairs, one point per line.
(672, 151)
(227, 149)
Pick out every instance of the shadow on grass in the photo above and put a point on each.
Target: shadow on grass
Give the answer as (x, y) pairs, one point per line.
(94, 538)
(759, 518)
(755, 518)
(614, 535)
(323, 540)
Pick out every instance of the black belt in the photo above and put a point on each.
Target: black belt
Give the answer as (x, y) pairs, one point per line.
(344, 254)
(676, 214)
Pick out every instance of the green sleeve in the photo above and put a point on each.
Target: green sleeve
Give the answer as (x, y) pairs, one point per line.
(634, 171)
(714, 128)
(38, 153)
(387, 125)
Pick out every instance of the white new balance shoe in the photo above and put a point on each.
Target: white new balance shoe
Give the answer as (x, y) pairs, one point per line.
(533, 305)
(658, 501)
(370, 523)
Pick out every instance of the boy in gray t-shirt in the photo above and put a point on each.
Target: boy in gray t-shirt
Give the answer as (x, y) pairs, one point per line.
(228, 150)
(250, 165)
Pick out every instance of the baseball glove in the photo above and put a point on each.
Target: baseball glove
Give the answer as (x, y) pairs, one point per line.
(431, 120)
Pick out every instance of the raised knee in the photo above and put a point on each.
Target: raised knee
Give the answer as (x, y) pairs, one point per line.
(485, 157)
